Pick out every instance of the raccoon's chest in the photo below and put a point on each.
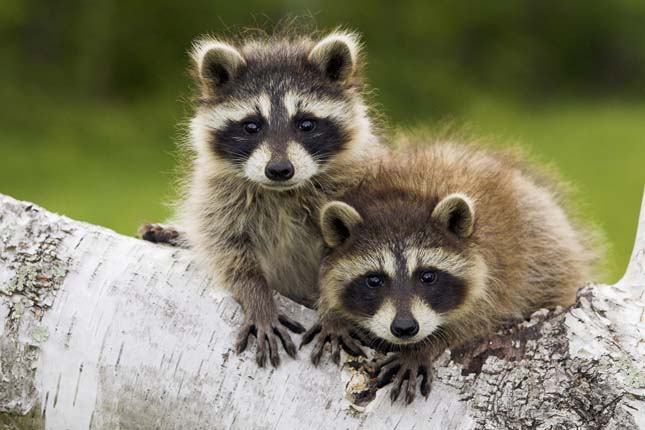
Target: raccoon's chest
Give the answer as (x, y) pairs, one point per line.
(289, 250)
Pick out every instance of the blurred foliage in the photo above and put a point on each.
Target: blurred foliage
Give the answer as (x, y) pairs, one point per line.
(437, 53)
(93, 90)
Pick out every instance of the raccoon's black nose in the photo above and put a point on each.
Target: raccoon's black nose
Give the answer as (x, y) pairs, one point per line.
(279, 170)
(404, 328)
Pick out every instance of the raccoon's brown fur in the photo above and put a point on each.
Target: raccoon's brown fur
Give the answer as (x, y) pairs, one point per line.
(440, 245)
(280, 128)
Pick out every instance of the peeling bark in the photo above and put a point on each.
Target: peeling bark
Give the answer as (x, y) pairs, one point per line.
(103, 331)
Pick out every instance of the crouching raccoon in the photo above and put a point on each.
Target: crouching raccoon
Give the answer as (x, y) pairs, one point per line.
(437, 247)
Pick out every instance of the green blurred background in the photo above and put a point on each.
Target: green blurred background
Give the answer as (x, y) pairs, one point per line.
(93, 92)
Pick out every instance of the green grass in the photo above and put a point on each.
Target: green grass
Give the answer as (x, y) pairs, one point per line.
(109, 165)
(113, 165)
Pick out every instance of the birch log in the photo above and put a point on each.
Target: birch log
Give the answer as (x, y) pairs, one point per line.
(103, 331)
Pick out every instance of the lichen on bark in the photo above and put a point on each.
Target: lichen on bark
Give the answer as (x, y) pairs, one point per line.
(33, 272)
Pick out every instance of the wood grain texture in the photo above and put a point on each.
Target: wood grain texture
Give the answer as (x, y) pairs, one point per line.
(103, 331)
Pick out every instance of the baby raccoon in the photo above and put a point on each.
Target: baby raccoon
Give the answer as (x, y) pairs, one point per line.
(439, 246)
(280, 127)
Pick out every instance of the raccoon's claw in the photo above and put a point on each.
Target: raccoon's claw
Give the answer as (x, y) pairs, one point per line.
(402, 367)
(157, 233)
(267, 335)
(334, 334)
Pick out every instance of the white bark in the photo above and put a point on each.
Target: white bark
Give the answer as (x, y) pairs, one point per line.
(103, 331)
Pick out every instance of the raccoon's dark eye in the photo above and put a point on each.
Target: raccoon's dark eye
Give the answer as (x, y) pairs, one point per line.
(374, 281)
(307, 125)
(428, 276)
(251, 127)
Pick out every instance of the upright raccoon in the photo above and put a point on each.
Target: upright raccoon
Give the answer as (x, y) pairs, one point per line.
(442, 245)
(280, 127)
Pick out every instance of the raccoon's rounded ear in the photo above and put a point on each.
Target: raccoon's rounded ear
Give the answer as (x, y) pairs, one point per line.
(336, 55)
(456, 213)
(337, 221)
(216, 63)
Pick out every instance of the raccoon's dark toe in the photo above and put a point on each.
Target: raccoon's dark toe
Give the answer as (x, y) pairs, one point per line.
(274, 354)
(426, 381)
(261, 348)
(351, 346)
(411, 389)
(310, 334)
(291, 324)
(335, 350)
(318, 350)
(401, 376)
(242, 340)
(386, 373)
(287, 343)
(377, 366)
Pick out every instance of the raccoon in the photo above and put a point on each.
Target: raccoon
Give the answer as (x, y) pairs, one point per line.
(439, 246)
(281, 127)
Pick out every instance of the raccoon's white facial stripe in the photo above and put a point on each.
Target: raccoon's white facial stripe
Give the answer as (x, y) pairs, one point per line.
(291, 103)
(199, 131)
(352, 267)
(478, 277)
(361, 147)
(428, 320)
(418, 258)
(304, 165)
(217, 117)
(380, 322)
(388, 260)
(264, 106)
(256, 164)
(320, 108)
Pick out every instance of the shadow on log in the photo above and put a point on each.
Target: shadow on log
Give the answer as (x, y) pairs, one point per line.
(103, 331)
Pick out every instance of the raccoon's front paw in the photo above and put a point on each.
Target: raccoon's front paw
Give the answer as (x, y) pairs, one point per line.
(266, 335)
(405, 366)
(337, 335)
(157, 233)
